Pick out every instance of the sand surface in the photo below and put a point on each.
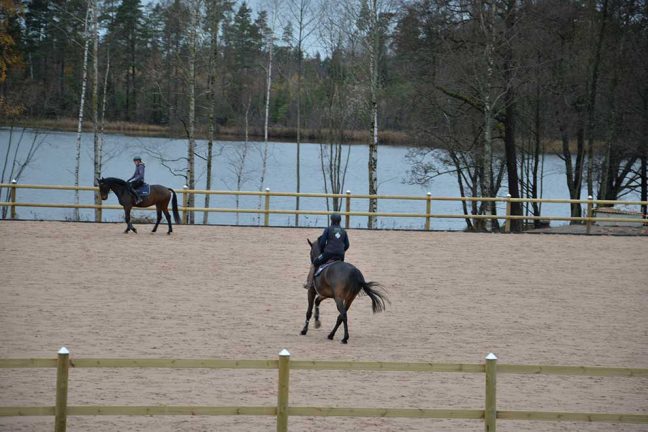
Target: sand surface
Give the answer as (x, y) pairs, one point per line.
(235, 293)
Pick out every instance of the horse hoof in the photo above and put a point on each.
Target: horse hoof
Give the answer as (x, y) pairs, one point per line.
(303, 332)
(134, 230)
(330, 337)
(318, 324)
(344, 341)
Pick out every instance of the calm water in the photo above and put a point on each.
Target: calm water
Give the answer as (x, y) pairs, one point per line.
(54, 164)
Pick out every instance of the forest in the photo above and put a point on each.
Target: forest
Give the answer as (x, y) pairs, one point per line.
(496, 84)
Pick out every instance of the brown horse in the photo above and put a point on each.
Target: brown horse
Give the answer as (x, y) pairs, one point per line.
(342, 282)
(159, 196)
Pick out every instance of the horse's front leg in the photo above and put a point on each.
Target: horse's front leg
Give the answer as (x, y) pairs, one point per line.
(309, 311)
(129, 225)
(318, 323)
(159, 218)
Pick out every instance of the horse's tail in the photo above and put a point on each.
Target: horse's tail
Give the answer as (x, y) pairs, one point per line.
(374, 291)
(174, 206)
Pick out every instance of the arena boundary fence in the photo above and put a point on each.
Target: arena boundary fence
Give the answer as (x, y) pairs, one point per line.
(283, 410)
(347, 212)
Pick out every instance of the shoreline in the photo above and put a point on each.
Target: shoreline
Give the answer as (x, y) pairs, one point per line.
(255, 134)
(224, 133)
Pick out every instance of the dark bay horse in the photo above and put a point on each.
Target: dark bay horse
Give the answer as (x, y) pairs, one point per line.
(342, 282)
(159, 196)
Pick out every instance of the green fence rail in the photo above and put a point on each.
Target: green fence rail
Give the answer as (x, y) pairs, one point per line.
(283, 410)
(266, 210)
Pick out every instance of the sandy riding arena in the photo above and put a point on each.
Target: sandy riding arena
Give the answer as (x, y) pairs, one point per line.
(235, 293)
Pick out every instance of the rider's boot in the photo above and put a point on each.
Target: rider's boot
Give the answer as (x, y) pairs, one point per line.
(309, 278)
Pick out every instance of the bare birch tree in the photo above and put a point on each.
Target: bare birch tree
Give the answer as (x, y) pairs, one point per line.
(304, 16)
(97, 144)
(343, 101)
(215, 13)
(269, 36)
(84, 82)
(195, 7)
(372, 19)
(487, 25)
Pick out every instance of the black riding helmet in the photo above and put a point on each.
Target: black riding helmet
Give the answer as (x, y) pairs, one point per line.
(336, 219)
(137, 158)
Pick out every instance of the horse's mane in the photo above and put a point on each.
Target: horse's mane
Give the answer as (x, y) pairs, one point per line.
(114, 180)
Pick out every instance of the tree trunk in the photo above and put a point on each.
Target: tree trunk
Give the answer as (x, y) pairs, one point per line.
(95, 106)
(510, 118)
(214, 24)
(487, 24)
(191, 148)
(374, 51)
(591, 106)
(266, 125)
(299, 90)
(537, 150)
(644, 183)
(84, 82)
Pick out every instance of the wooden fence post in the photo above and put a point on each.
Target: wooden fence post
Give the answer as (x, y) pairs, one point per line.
(428, 210)
(507, 224)
(99, 210)
(60, 411)
(589, 214)
(347, 218)
(266, 219)
(490, 408)
(12, 198)
(282, 395)
(185, 203)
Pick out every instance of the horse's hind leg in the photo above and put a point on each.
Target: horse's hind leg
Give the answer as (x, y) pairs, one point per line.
(167, 216)
(309, 311)
(165, 209)
(343, 308)
(318, 323)
(342, 318)
(159, 218)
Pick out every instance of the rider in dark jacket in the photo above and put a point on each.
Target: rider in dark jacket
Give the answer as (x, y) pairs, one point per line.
(137, 179)
(333, 243)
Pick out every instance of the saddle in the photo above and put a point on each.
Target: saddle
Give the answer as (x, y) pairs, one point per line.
(324, 266)
(144, 190)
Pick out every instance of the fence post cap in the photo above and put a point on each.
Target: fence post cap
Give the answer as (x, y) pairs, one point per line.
(185, 187)
(348, 191)
(429, 194)
(267, 189)
(590, 197)
(284, 353)
(13, 181)
(63, 351)
(491, 356)
(508, 195)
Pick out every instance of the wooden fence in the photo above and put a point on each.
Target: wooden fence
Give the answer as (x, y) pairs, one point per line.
(347, 197)
(283, 410)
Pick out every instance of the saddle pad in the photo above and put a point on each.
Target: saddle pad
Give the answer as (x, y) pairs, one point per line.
(323, 266)
(144, 190)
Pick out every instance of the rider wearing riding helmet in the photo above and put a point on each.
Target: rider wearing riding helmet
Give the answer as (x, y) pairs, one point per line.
(137, 179)
(333, 243)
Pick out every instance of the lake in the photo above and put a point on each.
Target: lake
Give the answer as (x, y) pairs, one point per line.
(54, 164)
